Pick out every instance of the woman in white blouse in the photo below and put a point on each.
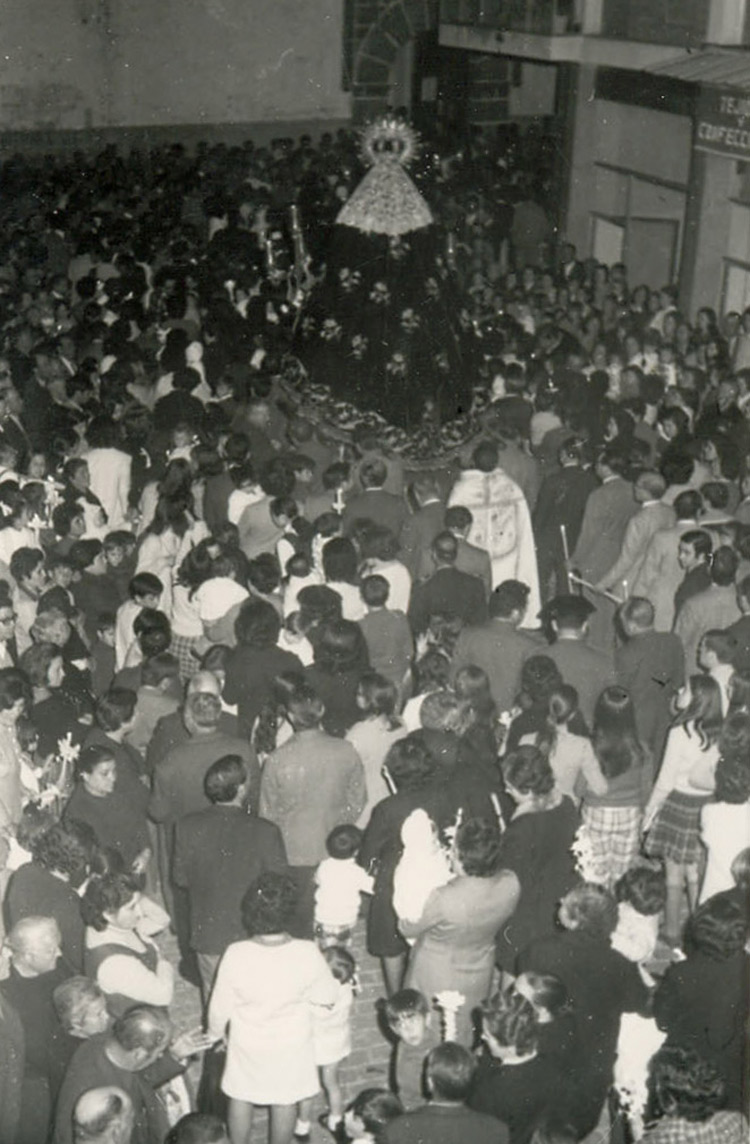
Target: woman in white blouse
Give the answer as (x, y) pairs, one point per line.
(109, 467)
(120, 957)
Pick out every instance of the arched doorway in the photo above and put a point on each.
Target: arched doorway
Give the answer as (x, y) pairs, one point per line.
(378, 61)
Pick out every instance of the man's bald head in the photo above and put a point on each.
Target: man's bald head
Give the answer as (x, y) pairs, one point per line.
(203, 683)
(103, 1116)
(34, 943)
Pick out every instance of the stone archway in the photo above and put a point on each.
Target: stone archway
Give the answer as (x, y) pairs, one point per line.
(383, 27)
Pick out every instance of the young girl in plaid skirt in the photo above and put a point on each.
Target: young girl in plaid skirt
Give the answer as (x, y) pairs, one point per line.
(684, 785)
(613, 819)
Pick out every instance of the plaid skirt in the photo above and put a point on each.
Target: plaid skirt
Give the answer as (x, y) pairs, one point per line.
(675, 831)
(615, 836)
(182, 648)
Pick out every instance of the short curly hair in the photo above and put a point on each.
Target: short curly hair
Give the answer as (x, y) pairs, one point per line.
(115, 707)
(61, 851)
(410, 763)
(478, 844)
(717, 929)
(684, 1085)
(528, 770)
(107, 895)
(13, 686)
(37, 660)
(590, 909)
(512, 1021)
(269, 904)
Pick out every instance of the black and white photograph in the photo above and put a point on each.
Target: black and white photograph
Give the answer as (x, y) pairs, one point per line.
(374, 571)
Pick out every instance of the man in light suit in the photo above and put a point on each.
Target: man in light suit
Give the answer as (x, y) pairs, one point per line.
(605, 518)
(652, 516)
(660, 573)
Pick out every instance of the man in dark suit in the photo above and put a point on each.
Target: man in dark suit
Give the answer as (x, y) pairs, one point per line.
(605, 518)
(178, 790)
(561, 503)
(12, 431)
(580, 665)
(651, 666)
(448, 591)
(171, 732)
(445, 1119)
(421, 528)
(373, 503)
(218, 852)
(498, 646)
(471, 559)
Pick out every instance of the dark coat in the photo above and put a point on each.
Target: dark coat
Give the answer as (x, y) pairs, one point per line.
(536, 847)
(602, 985)
(702, 1004)
(373, 504)
(240, 847)
(447, 592)
(34, 892)
(250, 675)
(652, 668)
(381, 846)
(445, 1124)
(500, 650)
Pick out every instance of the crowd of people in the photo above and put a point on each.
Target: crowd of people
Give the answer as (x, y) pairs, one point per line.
(263, 683)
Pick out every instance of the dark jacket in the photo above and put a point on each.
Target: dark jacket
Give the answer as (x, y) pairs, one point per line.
(241, 847)
(34, 892)
(702, 1004)
(447, 592)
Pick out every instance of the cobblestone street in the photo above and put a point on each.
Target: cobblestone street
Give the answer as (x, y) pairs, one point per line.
(366, 1067)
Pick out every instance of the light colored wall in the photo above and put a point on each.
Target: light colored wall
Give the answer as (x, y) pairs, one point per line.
(84, 63)
(650, 142)
(712, 219)
(637, 142)
(583, 155)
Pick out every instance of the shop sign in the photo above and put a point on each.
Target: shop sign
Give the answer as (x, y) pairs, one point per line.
(722, 122)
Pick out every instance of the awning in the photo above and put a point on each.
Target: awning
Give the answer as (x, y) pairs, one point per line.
(712, 66)
(722, 115)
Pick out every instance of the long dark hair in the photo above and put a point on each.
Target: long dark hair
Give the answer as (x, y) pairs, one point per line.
(169, 514)
(615, 736)
(703, 712)
(562, 706)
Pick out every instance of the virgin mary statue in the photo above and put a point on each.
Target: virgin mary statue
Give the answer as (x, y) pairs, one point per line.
(384, 329)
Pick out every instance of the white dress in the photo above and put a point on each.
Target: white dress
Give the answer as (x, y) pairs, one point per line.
(265, 993)
(110, 482)
(725, 830)
(332, 1037)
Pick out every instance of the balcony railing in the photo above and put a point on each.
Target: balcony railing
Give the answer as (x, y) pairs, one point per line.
(539, 17)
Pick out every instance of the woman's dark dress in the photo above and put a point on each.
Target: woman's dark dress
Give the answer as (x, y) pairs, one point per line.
(536, 847)
(381, 847)
(602, 985)
(703, 1004)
